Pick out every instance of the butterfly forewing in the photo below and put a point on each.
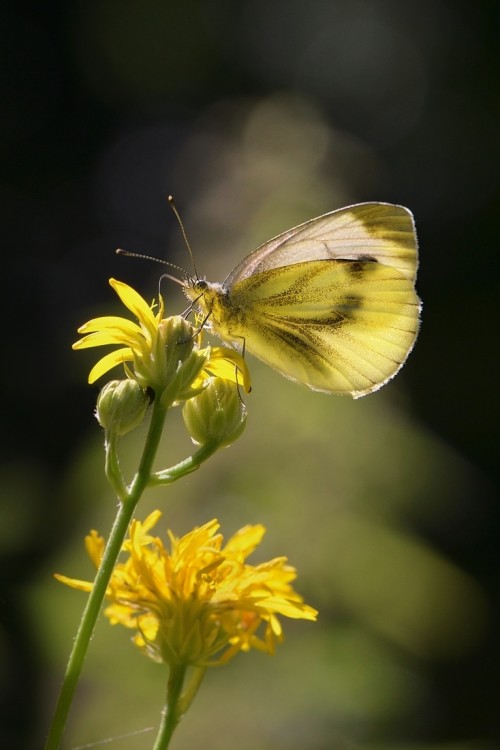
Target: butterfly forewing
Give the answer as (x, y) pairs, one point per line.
(382, 231)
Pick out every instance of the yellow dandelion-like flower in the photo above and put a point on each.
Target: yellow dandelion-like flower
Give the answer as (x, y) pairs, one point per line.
(158, 349)
(200, 603)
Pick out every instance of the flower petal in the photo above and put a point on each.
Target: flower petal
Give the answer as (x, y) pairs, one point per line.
(135, 304)
(294, 610)
(95, 544)
(228, 364)
(75, 583)
(110, 321)
(245, 540)
(109, 361)
(107, 337)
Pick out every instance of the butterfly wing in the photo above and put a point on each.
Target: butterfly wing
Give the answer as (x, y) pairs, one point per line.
(339, 326)
(382, 231)
(330, 304)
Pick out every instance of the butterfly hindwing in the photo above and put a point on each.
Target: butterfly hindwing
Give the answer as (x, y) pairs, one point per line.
(336, 326)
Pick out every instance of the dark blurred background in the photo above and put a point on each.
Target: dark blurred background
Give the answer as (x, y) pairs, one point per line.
(257, 116)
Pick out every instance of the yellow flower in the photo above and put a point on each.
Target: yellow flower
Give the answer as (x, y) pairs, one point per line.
(200, 603)
(160, 349)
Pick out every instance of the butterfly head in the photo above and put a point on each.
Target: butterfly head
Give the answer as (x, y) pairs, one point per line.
(194, 287)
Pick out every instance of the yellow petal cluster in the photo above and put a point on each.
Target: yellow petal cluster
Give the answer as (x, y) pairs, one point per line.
(199, 603)
(156, 346)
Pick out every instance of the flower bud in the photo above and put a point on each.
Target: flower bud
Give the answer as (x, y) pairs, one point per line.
(156, 363)
(121, 406)
(179, 361)
(176, 334)
(217, 415)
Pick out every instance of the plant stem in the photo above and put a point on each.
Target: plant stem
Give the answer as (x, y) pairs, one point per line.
(112, 467)
(172, 712)
(96, 596)
(192, 688)
(190, 464)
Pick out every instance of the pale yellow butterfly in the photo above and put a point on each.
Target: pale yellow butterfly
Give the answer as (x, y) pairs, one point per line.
(330, 303)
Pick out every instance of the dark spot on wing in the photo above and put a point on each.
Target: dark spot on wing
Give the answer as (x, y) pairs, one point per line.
(357, 267)
(350, 303)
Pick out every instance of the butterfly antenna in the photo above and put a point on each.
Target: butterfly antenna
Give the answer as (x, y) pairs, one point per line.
(143, 256)
(177, 216)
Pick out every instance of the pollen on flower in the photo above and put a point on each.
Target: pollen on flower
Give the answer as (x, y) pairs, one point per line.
(199, 603)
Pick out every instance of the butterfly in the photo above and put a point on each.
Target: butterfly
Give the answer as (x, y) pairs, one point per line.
(330, 303)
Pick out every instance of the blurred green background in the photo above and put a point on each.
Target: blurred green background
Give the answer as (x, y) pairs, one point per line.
(257, 116)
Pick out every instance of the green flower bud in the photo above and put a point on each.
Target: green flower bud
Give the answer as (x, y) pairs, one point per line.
(217, 415)
(171, 346)
(179, 360)
(181, 385)
(121, 406)
(176, 334)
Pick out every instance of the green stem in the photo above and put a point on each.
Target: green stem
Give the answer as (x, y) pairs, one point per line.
(172, 712)
(192, 689)
(96, 596)
(112, 467)
(87, 625)
(167, 476)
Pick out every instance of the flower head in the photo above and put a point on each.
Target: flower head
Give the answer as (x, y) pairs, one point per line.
(200, 603)
(164, 353)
